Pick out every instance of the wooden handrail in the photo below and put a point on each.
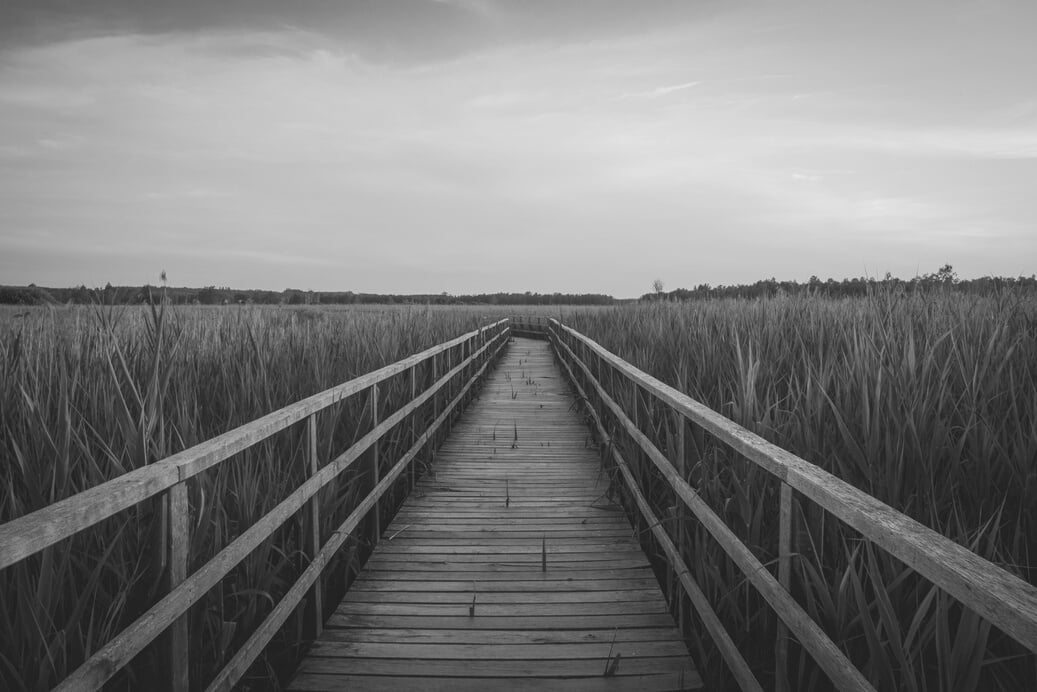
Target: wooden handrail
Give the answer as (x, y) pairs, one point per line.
(36, 531)
(1004, 599)
(825, 651)
(743, 675)
(31, 533)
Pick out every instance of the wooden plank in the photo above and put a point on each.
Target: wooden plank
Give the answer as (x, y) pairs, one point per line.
(476, 547)
(507, 609)
(433, 636)
(511, 650)
(516, 585)
(498, 597)
(502, 622)
(388, 683)
(621, 560)
(587, 666)
(531, 575)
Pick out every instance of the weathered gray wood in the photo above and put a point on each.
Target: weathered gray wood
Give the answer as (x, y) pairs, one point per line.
(496, 622)
(515, 585)
(313, 538)
(27, 535)
(412, 476)
(590, 665)
(498, 514)
(499, 651)
(655, 606)
(359, 595)
(543, 638)
(781, 644)
(999, 596)
(372, 469)
(390, 683)
(178, 652)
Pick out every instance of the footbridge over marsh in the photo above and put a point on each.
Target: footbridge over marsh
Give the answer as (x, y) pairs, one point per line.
(519, 517)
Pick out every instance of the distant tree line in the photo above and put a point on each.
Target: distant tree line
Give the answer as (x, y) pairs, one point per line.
(223, 295)
(945, 278)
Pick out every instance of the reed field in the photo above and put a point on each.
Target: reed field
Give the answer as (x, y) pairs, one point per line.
(925, 400)
(90, 393)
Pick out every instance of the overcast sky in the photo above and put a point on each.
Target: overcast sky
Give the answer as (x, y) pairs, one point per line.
(485, 145)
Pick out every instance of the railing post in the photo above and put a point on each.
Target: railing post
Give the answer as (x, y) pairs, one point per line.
(781, 641)
(435, 407)
(432, 383)
(413, 419)
(373, 466)
(681, 517)
(313, 538)
(178, 651)
(448, 365)
(636, 458)
(466, 353)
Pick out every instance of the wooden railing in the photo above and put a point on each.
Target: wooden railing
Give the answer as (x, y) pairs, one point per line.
(450, 370)
(627, 400)
(531, 326)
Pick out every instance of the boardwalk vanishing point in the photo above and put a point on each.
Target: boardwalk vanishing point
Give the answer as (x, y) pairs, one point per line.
(507, 567)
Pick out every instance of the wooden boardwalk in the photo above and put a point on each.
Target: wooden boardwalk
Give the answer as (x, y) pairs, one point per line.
(507, 568)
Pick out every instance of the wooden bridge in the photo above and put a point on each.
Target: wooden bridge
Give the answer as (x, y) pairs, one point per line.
(507, 564)
(510, 484)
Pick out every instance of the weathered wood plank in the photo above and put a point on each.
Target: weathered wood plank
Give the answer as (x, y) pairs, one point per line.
(482, 609)
(543, 637)
(517, 585)
(511, 650)
(498, 597)
(586, 666)
(502, 622)
(387, 683)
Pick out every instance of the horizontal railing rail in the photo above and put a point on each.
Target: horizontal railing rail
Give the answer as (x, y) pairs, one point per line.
(456, 366)
(603, 380)
(534, 326)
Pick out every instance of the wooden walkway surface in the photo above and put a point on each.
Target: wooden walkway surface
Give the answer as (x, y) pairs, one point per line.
(514, 519)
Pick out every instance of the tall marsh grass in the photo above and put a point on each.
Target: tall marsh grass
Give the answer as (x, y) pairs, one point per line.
(927, 401)
(87, 394)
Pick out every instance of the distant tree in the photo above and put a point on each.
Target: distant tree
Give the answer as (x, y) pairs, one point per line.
(207, 295)
(658, 287)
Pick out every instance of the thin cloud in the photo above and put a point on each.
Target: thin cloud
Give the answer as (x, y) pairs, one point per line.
(660, 91)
